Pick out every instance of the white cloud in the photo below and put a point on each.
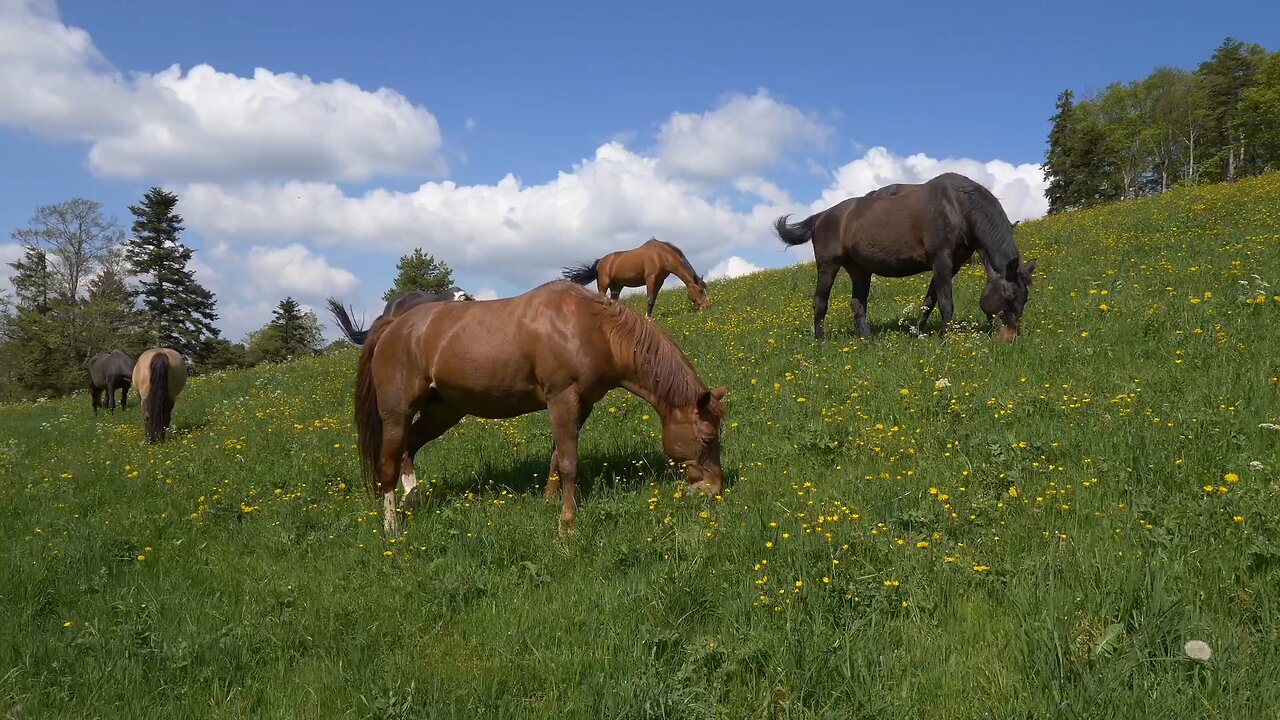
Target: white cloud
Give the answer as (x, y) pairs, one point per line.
(485, 294)
(1020, 188)
(202, 124)
(744, 135)
(470, 124)
(521, 234)
(294, 269)
(8, 253)
(732, 267)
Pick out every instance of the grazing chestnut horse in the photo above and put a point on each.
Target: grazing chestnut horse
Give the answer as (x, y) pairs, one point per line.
(110, 371)
(159, 375)
(394, 307)
(648, 265)
(902, 230)
(557, 347)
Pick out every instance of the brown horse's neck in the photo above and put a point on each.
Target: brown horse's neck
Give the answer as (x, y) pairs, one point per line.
(680, 267)
(649, 365)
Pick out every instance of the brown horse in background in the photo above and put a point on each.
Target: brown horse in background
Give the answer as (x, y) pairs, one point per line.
(905, 229)
(648, 265)
(159, 375)
(557, 347)
(110, 372)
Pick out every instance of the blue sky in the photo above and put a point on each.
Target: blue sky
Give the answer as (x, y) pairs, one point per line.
(693, 121)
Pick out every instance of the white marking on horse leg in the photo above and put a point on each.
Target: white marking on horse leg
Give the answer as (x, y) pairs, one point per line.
(408, 481)
(390, 523)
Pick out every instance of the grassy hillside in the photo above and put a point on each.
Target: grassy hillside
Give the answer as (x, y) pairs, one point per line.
(914, 529)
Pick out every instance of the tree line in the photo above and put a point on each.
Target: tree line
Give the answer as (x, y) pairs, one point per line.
(83, 286)
(1175, 127)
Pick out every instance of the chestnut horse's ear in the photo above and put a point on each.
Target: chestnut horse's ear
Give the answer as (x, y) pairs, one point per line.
(709, 401)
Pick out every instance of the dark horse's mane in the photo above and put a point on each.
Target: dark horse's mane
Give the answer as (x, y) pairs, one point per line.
(675, 381)
(697, 278)
(990, 225)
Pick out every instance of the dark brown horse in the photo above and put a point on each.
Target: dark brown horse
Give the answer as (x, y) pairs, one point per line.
(904, 229)
(394, 307)
(109, 372)
(649, 266)
(557, 347)
(159, 375)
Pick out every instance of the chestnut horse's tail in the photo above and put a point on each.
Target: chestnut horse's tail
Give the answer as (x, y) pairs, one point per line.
(582, 274)
(355, 334)
(796, 233)
(159, 404)
(368, 419)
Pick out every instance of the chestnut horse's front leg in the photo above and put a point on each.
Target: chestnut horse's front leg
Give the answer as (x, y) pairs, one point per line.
(565, 411)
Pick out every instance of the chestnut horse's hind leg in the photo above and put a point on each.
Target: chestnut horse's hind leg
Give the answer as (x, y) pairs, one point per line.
(430, 425)
(821, 295)
(394, 426)
(652, 284)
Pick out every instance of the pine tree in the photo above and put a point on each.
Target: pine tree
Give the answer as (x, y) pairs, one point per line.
(178, 311)
(292, 333)
(1226, 76)
(1058, 160)
(420, 271)
(35, 349)
(287, 320)
(110, 315)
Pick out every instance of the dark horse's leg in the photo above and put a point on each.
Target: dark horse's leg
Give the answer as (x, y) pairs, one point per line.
(111, 395)
(826, 278)
(941, 283)
(959, 258)
(95, 394)
(861, 290)
(124, 396)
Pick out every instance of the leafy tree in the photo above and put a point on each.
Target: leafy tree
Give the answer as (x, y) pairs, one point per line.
(178, 311)
(292, 333)
(420, 271)
(1226, 76)
(37, 362)
(225, 355)
(110, 316)
(1260, 116)
(76, 237)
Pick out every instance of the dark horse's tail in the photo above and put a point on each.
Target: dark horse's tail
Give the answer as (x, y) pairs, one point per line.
(582, 274)
(159, 404)
(796, 233)
(355, 334)
(368, 419)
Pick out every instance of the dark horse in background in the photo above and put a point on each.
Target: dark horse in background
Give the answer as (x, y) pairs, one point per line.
(905, 229)
(395, 307)
(109, 372)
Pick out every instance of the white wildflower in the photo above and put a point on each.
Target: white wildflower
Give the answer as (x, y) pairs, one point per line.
(1198, 650)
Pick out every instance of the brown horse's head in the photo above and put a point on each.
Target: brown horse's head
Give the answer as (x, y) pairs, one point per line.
(691, 437)
(698, 294)
(1005, 297)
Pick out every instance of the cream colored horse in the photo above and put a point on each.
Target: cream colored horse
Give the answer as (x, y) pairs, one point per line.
(158, 376)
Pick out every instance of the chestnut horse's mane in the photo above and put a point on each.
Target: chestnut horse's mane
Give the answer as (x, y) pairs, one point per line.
(674, 380)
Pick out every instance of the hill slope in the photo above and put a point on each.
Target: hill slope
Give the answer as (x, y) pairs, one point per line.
(914, 528)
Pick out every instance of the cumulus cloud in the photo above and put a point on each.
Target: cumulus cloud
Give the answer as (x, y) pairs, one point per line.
(8, 253)
(520, 233)
(1020, 188)
(732, 267)
(202, 124)
(294, 269)
(744, 135)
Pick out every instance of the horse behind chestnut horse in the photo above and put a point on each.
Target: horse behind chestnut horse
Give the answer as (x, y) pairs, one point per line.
(557, 347)
(110, 371)
(648, 266)
(159, 375)
(394, 307)
(902, 230)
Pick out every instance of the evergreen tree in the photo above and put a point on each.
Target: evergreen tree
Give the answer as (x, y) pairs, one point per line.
(292, 333)
(420, 271)
(178, 311)
(1058, 160)
(35, 349)
(110, 316)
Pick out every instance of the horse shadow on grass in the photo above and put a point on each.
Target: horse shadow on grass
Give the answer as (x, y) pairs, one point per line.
(617, 470)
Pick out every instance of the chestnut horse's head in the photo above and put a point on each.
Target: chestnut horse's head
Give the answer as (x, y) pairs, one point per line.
(691, 437)
(698, 294)
(1005, 298)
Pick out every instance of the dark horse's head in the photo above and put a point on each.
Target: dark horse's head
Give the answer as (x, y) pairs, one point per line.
(1005, 297)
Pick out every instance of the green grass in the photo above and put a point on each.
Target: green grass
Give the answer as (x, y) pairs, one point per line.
(1034, 539)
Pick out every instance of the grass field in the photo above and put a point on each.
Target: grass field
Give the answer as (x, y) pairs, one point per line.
(912, 529)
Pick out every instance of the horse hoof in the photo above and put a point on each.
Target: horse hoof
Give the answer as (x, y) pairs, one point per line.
(567, 528)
